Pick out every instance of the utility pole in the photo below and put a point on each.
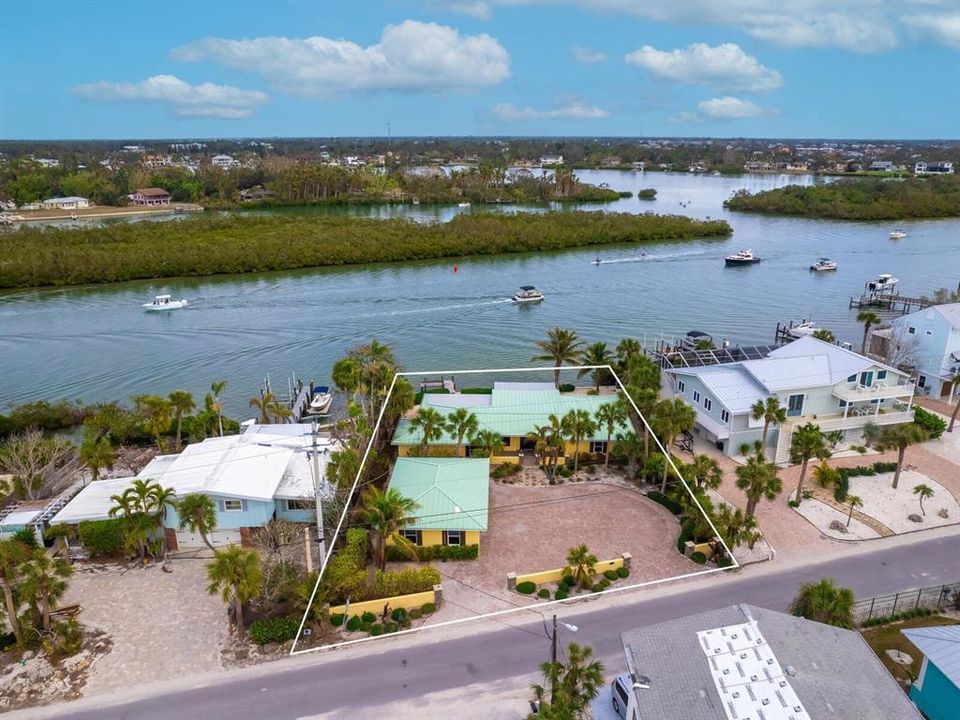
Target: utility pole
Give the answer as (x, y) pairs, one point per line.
(318, 503)
(553, 662)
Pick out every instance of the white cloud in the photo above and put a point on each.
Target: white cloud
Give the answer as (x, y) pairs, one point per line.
(181, 98)
(725, 66)
(731, 108)
(586, 55)
(944, 29)
(410, 57)
(573, 110)
(478, 9)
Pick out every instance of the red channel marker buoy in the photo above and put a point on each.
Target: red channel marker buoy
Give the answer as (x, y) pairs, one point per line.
(456, 268)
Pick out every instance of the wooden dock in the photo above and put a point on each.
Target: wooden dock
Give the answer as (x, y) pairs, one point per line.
(891, 302)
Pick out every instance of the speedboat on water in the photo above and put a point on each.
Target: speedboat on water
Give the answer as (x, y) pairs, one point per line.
(897, 235)
(528, 294)
(744, 257)
(823, 264)
(463, 204)
(164, 302)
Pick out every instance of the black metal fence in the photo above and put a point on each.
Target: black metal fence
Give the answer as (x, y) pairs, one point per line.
(932, 598)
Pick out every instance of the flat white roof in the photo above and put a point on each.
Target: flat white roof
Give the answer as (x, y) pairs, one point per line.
(93, 502)
(20, 517)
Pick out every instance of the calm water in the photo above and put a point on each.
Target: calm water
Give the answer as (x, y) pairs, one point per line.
(97, 343)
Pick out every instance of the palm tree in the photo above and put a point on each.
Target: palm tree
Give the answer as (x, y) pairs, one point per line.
(610, 416)
(703, 472)
(198, 514)
(96, 454)
(896, 436)
(627, 350)
(758, 479)
(577, 425)
(806, 443)
(386, 513)
(462, 423)
(642, 372)
(13, 557)
(825, 476)
(43, 581)
(735, 526)
(771, 412)
(869, 319)
(182, 403)
(582, 564)
(824, 602)
(561, 346)
(646, 400)
(160, 499)
(572, 686)
(270, 408)
(217, 389)
(235, 574)
(853, 501)
(489, 442)
(158, 413)
(924, 492)
(672, 418)
(954, 381)
(596, 354)
(632, 447)
(540, 437)
(430, 422)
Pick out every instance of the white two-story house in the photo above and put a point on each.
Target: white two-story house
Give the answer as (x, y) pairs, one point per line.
(815, 381)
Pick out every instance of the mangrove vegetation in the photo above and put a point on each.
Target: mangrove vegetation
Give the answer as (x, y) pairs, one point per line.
(858, 199)
(215, 244)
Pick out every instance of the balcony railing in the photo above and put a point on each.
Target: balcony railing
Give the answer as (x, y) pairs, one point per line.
(852, 392)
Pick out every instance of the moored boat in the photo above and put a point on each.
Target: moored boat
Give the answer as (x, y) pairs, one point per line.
(897, 235)
(321, 401)
(823, 264)
(744, 257)
(528, 294)
(883, 283)
(165, 302)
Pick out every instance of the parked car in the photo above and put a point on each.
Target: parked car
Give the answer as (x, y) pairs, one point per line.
(620, 691)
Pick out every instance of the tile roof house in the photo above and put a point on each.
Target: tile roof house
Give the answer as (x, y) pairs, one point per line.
(936, 691)
(814, 380)
(743, 662)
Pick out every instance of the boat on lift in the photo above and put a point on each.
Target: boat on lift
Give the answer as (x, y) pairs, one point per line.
(164, 302)
(823, 264)
(321, 401)
(803, 329)
(897, 235)
(883, 283)
(528, 294)
(744, 257)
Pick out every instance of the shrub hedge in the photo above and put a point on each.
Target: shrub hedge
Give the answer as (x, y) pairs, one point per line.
(365, 626)
(275, 630)
(435, 552)
(669, 503)
(368, 617)
(376, 629)
(611, 575)
(597, 588)
(414, 614)
(623, 573)
(336, 619)
(353, 624)
(427, 608)
(907, 615)
(567, 387)
(526, 588)
(560, 594)
(698, 557)
(933, 424)
(505, 470)
(390, 627)
(102, 538)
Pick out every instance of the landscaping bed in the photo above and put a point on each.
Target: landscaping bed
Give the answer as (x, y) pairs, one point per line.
(889, 637)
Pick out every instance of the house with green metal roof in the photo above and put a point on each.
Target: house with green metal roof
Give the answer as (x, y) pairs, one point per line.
(511, 410)
(452, 496)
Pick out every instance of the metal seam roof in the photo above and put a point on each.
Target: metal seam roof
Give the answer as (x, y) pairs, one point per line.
(452, 493)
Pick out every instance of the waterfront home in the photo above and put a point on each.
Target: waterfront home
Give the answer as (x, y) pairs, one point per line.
(551, 160)
(65, 203)
(452, 496)
(150, 196)
(936, 691)
(265, 472)
(511, 410)
(224, 162)
(744, 661)
(881, 166)
(939, 168)
(927, 341)
(815, 381)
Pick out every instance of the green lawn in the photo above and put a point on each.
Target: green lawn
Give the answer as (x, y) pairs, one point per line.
(888, 637)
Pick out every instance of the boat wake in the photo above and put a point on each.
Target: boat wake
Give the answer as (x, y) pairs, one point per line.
(453, 306)
(648, 258)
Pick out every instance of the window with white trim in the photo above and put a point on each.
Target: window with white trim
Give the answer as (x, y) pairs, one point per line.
(707, 404)
(454, 537)
(881, 374)
(598, 446)
(414, 536)
(725, 416)
(231, 505)
(696, 396)
(301, 504)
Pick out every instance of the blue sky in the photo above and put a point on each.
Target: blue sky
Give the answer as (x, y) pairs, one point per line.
(750, 68)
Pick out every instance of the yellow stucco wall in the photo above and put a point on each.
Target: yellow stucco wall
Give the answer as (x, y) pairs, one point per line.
(706, 548)
(507, 454)
(376, 606)
(547, 576)
(435, 537)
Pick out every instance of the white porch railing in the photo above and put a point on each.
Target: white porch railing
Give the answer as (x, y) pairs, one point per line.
(835, 422)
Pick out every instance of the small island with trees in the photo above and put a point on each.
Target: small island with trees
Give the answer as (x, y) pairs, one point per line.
(858, 199)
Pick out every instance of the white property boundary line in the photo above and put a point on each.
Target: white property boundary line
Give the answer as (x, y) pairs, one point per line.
(533, 608)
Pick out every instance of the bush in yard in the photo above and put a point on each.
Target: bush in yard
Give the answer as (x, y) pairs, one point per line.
(427, 608)
(885, 467)
(102, 538)
(434, 552)
(399, 614)
(365, 626)
(560, 595)
(526, 588)
(505, 470)
(368, 617)
(604, 583)
(698, 557)
(376, 629)
(336, 619)
(567, 387)
(276, 630)
(568, 580)
(543, 593)
(390, 627)
(933, 424)
(414, 614)
(353, 624)
(597, 588)
(669, 503)
(611, 575)
(26, 537)
(841, 489)
(623, 573)
(403, 582)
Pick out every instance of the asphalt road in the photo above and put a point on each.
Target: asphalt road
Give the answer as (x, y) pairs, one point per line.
(402, 674)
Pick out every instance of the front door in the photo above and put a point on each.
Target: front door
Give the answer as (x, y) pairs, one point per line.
(795, 405)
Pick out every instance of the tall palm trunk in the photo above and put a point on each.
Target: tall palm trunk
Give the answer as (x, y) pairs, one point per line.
(666, 464)
(953, 415)
(763, 438)
(751, 506)
(45, 609)
(556, 374)
(896, 475)
(179, 429)
(239, 608)
(803, 472)
(576, 455)
(646, 443)
(11, 610)
(606, 455)
(850, 515)
(220, 420)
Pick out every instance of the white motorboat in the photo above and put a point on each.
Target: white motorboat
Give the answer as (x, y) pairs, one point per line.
(165, 302)
(321, 401)
(803, 329)
(744, 257)
(884, 283)
(463, 204)
(823, 264)
(528, 294)
(897, 235)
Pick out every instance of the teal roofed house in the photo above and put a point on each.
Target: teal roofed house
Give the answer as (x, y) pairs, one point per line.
(511, 410)
(936, 691)
(452, 496)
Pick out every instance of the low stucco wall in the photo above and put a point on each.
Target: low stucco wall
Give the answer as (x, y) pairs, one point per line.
(547, 576)
(408, 602)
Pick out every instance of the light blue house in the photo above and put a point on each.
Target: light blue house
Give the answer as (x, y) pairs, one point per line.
(815, 381)
(936, 690)
(266, 472)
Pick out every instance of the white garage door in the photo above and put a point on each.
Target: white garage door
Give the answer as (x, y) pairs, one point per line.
(217, 538)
